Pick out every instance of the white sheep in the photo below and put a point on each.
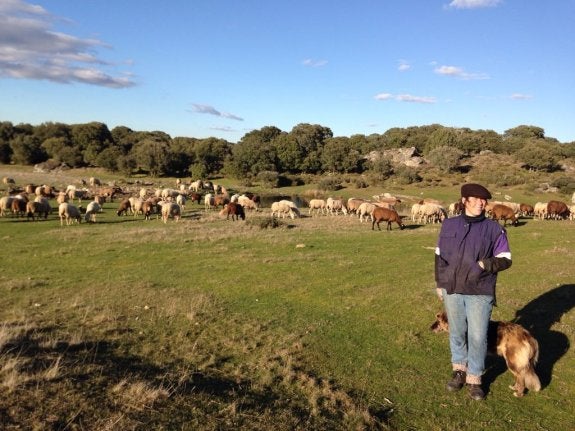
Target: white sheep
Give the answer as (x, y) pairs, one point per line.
(68, 212)
(196, 186)
(181, 201)
(5, 205)
(247, 203)
(136, 205)
(415, 211)
(540, 210)
(285, 208)
(364, 210)
(334, 206)
(431, 213)
(170, 209)
(92, 209)
(317, 205)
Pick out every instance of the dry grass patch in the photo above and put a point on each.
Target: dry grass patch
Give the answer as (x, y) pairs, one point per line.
(138, 395)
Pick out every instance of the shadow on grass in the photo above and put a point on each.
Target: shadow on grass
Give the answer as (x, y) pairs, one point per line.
(539, 316)
(91, 375)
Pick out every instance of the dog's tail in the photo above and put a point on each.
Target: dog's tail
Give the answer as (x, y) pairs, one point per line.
(532, 381)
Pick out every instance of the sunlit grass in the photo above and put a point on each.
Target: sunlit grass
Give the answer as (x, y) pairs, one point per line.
(317, 323)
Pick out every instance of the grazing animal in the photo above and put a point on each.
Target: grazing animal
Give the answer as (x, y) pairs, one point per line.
(170, 209)
(149, 206)
(431, 213)
(5, 205)
(317, 206)
(335, 205)
(181, 201)
(515, 344)
(19, 205)
(456, 208)
(195, 197)
(92, 209)
(111, 192)
(221, 199)
(540, 210)
(124, 207)
(503, 212)
(526, 209)
(136, 205)
(380, 214)
(196, 186)
(353, 204)
(208, 201)
(285, 208)
(39, 206)
(68, 212)
(233, 209)
(77, 194)
(8, 180)
(364, 210)
(247, 202)
(557, 210)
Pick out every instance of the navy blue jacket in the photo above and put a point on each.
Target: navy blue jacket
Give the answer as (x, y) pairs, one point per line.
(462, 244)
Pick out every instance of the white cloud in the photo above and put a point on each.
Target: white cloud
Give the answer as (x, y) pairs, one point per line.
(31, 49)
(473, 4)
(210, 110)
(223, 129)
(405, 98)
(458, 72)
(519, 96)
(384, 96)
(403, 66)
(414, 99)
(314, 63)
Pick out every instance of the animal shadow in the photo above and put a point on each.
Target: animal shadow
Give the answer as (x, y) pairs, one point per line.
(538, 317)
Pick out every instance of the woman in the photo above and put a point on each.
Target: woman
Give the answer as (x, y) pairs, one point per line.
(471, 250)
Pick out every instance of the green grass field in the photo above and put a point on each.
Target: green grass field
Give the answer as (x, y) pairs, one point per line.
(320, 323)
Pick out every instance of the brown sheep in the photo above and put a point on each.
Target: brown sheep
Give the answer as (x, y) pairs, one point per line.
(235, 210)
(124, 207)
(557, 210)
(41, 208)
(502, 212)
(380, 214)
(526, 210)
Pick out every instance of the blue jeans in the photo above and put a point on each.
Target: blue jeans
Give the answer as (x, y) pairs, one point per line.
(468, 317)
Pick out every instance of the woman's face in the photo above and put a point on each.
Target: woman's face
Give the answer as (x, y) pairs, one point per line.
(474, 206)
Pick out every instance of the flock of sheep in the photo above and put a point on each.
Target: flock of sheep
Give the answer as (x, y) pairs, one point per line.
(170, 203)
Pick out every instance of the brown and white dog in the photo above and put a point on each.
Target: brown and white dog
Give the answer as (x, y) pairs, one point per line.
(515, 344)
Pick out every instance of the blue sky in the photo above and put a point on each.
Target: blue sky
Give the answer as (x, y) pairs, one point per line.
(202, 68)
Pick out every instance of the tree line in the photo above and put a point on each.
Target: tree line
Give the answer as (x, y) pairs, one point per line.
(306, 149)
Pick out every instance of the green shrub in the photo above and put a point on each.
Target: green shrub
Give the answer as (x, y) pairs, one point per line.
(330, 184)
(265, 222)
(406, 175)
(269, 179)
(360, 183)
(564, 184)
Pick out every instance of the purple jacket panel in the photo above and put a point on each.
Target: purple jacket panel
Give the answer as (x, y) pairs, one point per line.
(460, 247)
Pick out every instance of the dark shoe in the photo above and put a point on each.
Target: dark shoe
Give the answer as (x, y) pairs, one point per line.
(476, 393)
(457, 381)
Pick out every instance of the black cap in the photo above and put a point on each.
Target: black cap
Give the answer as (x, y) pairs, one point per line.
(475, 190)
